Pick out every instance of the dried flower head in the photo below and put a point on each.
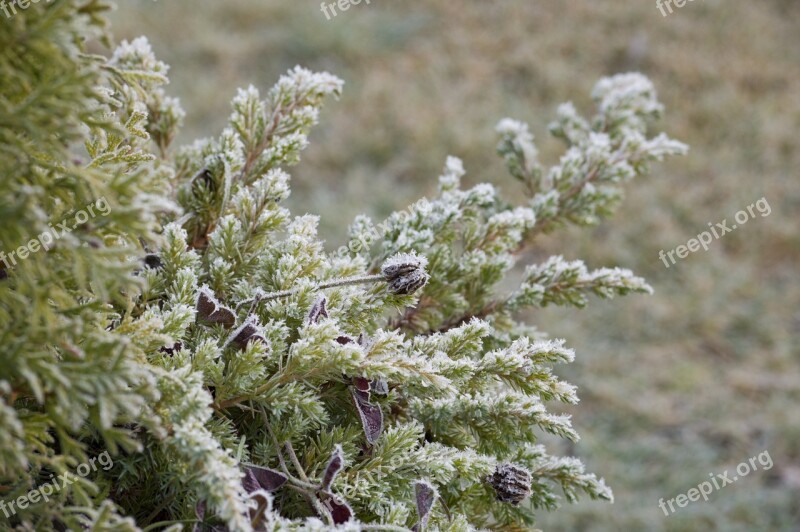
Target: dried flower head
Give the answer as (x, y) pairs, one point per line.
(511, 483)
(405, 273)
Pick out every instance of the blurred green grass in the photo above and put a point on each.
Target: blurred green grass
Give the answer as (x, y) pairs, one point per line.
(693, 380)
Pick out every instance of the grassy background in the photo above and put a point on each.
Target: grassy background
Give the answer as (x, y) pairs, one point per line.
(695, 379)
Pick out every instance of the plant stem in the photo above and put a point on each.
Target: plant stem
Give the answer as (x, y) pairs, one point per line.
(303, 486)
(362, 279)
(154, 526)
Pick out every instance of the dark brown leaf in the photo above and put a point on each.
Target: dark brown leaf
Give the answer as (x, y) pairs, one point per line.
(425, 497)
(263, 505)
(200, 509)
(210, 311)
(257, 477)
(335, 465)
(153, 261)
(247, 333)
(318, 310)
(361, 384)
(371, 416)
(340, 510)
(177, 346)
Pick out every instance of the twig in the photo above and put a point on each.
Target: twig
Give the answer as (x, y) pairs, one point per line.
(303, 486)
(363, 279)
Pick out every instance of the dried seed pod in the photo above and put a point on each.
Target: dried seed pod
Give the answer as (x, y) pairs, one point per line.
(210, 310)
(511, 483)
(405, 273)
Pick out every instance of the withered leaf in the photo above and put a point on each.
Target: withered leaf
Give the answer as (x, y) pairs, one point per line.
(380, 386)
(335, 465)
(153, 261)
(177, 346)
(209, 310)
(425, 497)
(258, 477)
(361, 384)
(371, 415)
(340, 510)
(263, 505)
(318, 310)
(247, 333)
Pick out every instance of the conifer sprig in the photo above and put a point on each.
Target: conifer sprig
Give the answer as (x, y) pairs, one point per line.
(242, 377)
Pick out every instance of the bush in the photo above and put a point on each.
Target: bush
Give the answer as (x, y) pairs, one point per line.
(189, 353)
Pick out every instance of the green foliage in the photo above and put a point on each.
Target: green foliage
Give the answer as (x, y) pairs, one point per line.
(238, 373)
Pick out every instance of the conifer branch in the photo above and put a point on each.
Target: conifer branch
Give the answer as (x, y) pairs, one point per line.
(139, 334)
